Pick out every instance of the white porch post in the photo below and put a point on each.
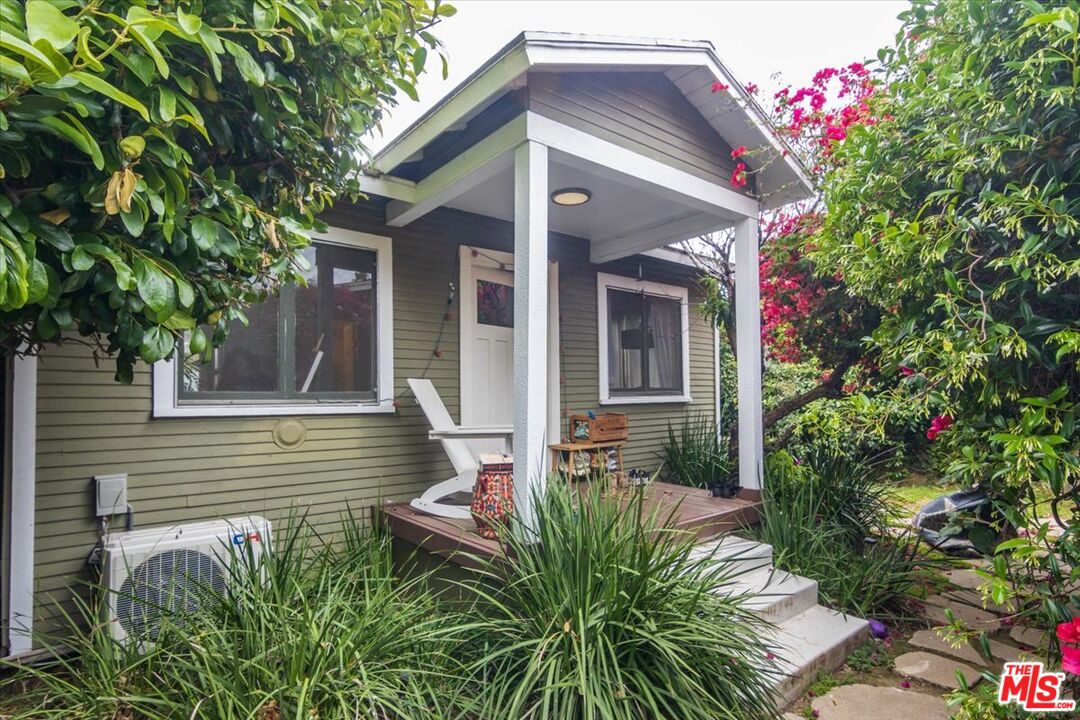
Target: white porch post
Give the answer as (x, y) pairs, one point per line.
(748, 345)
(530, 326)
(20, 619)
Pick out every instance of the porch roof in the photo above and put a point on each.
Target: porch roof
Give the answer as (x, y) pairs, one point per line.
(641, 201)
(692, 65)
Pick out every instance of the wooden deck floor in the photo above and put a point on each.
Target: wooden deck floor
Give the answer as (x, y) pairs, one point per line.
(689, 508)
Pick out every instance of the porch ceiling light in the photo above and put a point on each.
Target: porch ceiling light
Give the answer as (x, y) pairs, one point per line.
(571, 196)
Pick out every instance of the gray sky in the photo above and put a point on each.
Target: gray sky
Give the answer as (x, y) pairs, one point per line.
(754, 39)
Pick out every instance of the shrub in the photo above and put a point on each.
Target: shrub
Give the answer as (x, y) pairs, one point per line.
(317, 631)
(826, 519)
(694, 455)
(604, 614)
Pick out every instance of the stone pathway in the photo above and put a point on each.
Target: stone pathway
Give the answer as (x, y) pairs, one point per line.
(925, 670)
(871, 702)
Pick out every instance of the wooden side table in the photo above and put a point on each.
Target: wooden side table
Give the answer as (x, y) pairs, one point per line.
(590, 449)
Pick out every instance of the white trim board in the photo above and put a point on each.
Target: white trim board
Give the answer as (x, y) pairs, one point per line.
(473, 166)
(619, 282)
(20, 620)
(165, 402)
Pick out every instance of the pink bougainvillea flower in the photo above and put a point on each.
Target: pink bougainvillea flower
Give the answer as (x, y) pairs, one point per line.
(1069, 632)
(906, 371)
(938, 425)
(1070, 660)
(751, 88)
(738, 152)
(738, 175)
(905, 684)
(719, 86)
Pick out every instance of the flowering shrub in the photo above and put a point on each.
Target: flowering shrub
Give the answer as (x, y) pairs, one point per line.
(956, 215)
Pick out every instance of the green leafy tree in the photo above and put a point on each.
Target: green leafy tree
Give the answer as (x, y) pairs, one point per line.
(959, 218)
(161, 161)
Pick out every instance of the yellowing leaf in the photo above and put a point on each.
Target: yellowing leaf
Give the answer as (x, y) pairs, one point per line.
(112, 206)
(128, 179)
(56, 216)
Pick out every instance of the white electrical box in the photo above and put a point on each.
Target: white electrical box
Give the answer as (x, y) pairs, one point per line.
(110, 493)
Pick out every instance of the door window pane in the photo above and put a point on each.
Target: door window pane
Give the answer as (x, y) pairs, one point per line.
(494, 304)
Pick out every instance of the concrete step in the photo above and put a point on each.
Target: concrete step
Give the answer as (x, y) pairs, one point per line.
(778, 595)
(810, 639)
(742, 556)
(814, 641)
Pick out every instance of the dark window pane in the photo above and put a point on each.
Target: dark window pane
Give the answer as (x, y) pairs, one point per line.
(625, 322)
(665, 343)
(246, 363)
(494, 304)
(335, 322)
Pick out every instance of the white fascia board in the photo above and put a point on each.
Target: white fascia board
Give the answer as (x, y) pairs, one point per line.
(654, 236)
(477, 164)
(669, 254)
(484, 84)
(630, 168)
(390, 187)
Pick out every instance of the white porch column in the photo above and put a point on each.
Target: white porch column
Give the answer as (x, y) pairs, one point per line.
(530, 326)
(20, 619)
(748, 346)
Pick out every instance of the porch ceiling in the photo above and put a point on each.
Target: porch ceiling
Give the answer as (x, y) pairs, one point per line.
(619, 213)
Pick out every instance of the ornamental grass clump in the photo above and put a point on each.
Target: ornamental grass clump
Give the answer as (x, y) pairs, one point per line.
(828, 518)
(317, 630)
(601, 612)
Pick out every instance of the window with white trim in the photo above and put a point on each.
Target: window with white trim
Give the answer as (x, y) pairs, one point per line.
(644, 341)
(322, 347)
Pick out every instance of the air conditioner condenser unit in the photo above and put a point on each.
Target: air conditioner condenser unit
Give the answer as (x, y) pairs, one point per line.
(151, 572)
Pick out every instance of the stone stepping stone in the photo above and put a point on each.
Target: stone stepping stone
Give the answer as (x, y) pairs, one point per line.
(976, 617)
(935, 669)
(930, 640)
(1027, 636)
(1009, 653)
(975, 598)
(964, 578)
(860, 702)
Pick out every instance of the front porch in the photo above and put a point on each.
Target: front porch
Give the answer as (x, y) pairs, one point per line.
(600, 142)
(684, 508)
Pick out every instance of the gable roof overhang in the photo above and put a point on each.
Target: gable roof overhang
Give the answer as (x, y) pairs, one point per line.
(692, 66)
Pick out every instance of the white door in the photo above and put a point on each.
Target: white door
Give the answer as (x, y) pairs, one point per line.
(491, 400)
(487, 344)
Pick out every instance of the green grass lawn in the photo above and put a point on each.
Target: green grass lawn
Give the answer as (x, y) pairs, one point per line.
(917, 490)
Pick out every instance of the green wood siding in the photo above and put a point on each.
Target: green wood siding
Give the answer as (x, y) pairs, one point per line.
(639, 111)
(182, 470)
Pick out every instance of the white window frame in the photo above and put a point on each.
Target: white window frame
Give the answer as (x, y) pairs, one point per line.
(606, 281)
(165, 402)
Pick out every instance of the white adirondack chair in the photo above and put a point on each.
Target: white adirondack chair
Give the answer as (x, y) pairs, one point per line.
(454, 439)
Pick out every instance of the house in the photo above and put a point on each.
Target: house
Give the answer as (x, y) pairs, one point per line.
(513, 240)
